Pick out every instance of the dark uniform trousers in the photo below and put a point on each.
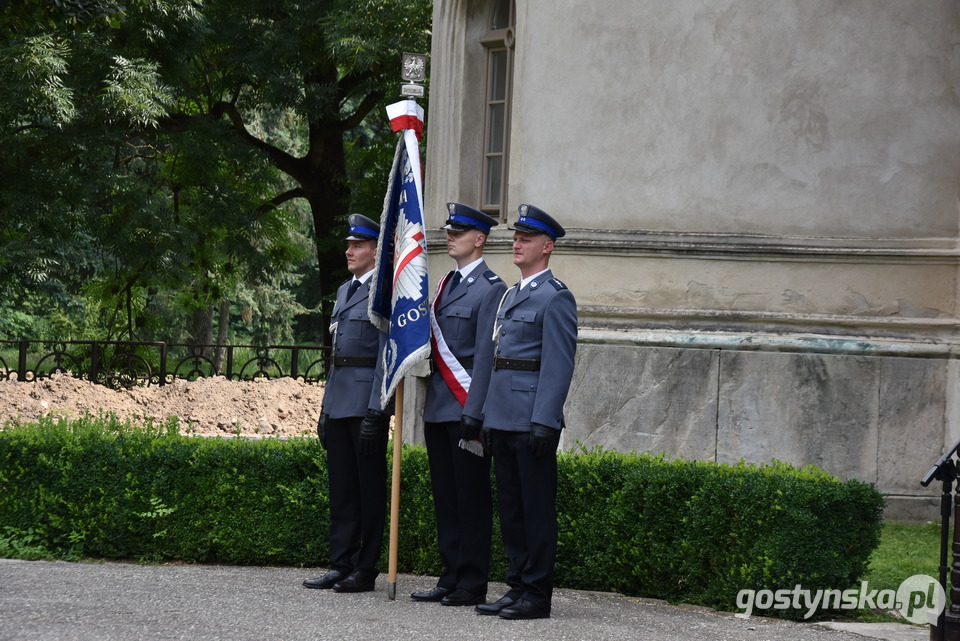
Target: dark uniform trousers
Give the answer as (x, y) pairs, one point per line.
(463, 507)
(526, 494)
(358, 498)
(357, 484)
(460, 480)
(538, 327)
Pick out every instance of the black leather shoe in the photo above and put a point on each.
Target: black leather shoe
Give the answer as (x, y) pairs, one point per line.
(434, 595)
(357, 581)
(496, 606)
(326, 581)
(524, 609)
(462, 597)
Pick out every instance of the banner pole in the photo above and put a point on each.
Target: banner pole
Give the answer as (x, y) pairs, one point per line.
(395, 493)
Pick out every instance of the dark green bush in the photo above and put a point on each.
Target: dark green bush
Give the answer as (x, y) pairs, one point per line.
(105, 489)
(641, 525)
(700, 532)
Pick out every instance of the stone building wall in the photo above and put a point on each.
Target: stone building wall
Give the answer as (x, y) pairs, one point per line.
(763, 208)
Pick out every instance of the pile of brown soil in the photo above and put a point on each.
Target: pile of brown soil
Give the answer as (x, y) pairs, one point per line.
(206, 407)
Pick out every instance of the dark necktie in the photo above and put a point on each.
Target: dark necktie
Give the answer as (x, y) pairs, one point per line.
(454, 282)
(354, 286)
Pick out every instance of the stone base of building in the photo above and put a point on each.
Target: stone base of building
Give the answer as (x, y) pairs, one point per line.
(868, 410)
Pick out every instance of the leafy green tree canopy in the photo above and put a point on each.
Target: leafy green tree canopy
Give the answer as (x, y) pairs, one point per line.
(162, 146)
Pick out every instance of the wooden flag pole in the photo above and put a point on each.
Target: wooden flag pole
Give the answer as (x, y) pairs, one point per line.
(395, 493)
(414, 72)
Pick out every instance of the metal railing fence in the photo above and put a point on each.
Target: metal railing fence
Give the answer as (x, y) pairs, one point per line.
(127, 363)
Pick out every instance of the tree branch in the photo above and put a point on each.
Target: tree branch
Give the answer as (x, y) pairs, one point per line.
(285, 162)
(354, 79)
(366, 105)
(23, 128)
(279, 199)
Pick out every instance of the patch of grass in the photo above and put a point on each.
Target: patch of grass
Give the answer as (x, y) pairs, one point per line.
(905, 549)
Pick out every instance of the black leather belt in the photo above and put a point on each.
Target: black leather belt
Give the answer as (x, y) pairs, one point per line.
(355, 361)
(525, 364)
(467, 363)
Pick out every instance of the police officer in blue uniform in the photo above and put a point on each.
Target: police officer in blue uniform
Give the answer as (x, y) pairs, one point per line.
(536, 339)
(463, 316)
(352, 427)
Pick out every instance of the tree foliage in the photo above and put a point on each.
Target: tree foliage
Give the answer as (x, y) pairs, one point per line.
(164, 152)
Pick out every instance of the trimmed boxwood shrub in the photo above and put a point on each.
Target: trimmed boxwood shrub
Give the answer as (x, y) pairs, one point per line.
(642, 525)
(100, 488)
(699, 532)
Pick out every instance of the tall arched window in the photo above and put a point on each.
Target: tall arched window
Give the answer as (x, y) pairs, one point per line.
(498, 44)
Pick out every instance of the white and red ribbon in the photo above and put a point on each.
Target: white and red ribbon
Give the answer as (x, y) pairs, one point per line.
(406, 114)
(453, 373)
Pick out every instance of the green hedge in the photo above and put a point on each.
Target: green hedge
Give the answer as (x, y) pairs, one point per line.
(641, 525)
(699, 532)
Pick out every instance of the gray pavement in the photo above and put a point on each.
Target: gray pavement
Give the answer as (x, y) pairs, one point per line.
(56, 601)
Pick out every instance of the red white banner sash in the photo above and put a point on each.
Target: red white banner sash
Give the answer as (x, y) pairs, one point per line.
(453, 373)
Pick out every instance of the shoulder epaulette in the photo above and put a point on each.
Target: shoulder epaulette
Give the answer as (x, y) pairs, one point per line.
(492, 277)
(557, 284)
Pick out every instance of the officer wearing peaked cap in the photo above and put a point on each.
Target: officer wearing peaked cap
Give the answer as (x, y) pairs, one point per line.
(352, 427)
(534, 220)
(362, 228)
(462, 218)
(462, 318)
(536, 339)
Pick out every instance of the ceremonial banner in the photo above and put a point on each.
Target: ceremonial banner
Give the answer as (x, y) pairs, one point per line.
(399, 290)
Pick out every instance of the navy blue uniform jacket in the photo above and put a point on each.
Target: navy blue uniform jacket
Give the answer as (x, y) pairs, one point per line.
(537, 322)
(466, 317)
(351, 391)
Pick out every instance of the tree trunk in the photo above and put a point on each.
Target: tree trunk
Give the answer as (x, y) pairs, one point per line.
(200, 329)
(329, 198)
(223, 334)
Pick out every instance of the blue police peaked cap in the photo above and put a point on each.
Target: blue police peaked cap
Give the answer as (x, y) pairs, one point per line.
(534, 220)
(362, 228)
(463, 218)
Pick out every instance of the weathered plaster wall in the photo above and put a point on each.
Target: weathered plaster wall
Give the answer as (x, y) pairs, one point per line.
(810, 118)
(878, 419)
(763, 208)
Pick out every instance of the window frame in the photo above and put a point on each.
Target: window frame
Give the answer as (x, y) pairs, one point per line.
(497, 41)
